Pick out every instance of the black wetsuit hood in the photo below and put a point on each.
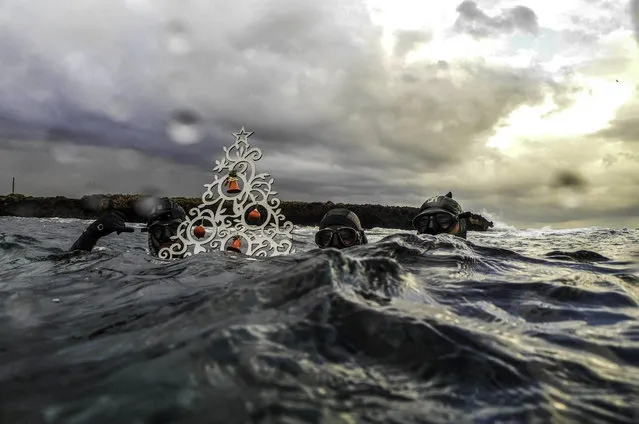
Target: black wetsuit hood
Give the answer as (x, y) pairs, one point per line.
(345, 217)
(167, 213)
(446, 204)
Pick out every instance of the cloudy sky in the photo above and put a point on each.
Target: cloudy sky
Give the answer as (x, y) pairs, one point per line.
(526, 110)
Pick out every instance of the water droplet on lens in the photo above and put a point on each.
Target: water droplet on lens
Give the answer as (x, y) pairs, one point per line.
(143, 205)
(184, 127)
(128, 159)
(151, 191)
(96, 202)
(568, 179)
(570, 200)
(117, 111)
(177, 41)
(65, 153)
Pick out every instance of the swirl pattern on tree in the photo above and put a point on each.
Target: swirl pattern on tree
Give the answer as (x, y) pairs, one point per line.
(239, 211)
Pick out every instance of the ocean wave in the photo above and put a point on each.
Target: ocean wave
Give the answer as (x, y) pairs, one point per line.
(408, 329)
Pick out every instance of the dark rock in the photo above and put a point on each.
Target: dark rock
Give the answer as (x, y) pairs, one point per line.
(91, 206)
(579, 256)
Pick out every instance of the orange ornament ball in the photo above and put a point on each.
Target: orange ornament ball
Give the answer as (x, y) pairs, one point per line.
(199, 231)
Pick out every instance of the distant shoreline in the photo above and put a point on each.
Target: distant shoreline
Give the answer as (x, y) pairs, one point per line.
(299, 213)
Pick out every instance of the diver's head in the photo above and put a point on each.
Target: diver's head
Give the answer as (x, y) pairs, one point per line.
(162, 223)
(340, 228)
(440, 214)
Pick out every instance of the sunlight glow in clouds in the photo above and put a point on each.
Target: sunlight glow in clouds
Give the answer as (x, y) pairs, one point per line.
(591, 112)
(594, 107)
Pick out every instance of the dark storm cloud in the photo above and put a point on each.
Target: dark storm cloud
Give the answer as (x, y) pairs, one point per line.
(299, 74)
(623, 129)
(66, 169)
(337, 117)
(476, 22)
(625, 125)
(626, 129)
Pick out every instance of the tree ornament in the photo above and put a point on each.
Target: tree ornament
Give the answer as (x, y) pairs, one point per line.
(254, 216)
(231, 183)
(236, 245)
(199, 232)
(225, 217)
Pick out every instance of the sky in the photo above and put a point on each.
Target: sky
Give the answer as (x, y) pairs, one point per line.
(526, 110)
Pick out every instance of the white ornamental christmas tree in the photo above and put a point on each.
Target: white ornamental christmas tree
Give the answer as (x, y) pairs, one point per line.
(252, 225)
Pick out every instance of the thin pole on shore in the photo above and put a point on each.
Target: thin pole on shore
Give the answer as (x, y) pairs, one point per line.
(13, 186)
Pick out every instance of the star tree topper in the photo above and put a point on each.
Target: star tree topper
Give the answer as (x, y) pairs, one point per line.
(239, 211)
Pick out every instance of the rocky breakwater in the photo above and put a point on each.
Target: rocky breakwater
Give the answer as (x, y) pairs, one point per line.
(91, 206)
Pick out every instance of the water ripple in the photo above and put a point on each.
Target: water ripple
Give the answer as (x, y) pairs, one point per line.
(511, 326)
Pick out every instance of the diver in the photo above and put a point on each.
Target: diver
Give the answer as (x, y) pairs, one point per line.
(340, 228)
(163, 218)
(163, 221)
(443, 214)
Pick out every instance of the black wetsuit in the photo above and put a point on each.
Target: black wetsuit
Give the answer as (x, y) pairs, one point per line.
(163, 218)
(110, 222)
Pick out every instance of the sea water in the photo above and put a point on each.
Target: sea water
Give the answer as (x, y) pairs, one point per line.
(406, 329)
